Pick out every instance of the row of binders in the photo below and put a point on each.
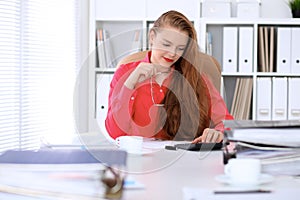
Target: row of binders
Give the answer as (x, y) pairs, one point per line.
(278, 98)
(278, 49)
(106, 55)
(237, 49)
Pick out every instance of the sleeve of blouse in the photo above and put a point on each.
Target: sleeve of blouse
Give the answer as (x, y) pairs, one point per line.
(119, 113)
(218, 109)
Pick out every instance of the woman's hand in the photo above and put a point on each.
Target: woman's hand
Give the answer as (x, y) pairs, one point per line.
(142, 72)
(209, 135)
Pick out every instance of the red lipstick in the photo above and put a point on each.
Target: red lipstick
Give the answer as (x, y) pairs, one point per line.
(168, 60)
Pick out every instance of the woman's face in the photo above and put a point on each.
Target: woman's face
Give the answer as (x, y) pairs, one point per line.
(167, 46)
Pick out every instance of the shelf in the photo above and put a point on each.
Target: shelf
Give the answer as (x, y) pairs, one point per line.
(237, 74)
(277, 74)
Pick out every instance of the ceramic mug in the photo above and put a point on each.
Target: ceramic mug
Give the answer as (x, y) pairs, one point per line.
(131, 144)
(243, 171)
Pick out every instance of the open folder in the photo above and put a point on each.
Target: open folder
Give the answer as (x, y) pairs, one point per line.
(63, 173)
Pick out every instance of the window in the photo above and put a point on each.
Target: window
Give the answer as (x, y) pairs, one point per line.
(39, 53)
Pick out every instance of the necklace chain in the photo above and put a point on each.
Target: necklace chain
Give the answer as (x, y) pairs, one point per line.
(152, 93)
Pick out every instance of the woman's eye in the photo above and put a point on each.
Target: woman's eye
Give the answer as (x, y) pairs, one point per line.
(181, 49)
(166, 45)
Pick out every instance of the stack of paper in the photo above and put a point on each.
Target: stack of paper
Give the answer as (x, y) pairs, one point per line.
(277, 132)
(61, 174)
(276, 143)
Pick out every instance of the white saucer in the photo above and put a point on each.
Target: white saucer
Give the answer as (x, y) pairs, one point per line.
(264, 178)
(143, 152)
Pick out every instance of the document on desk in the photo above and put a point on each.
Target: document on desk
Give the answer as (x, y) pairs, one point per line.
(193, 193)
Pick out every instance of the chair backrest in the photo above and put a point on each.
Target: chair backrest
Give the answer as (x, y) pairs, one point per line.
(211, 66)
(132, 57)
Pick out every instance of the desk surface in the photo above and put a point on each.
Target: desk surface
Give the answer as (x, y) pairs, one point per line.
(167, 174)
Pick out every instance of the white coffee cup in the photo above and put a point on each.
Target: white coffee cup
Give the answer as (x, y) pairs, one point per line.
(243, 171)
(131, 144)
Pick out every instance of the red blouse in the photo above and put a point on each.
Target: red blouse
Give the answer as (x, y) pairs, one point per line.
(132, 112)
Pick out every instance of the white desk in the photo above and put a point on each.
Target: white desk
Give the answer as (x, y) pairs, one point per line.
(166, 173)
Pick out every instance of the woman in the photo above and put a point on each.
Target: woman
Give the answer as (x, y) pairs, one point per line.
(166, 95)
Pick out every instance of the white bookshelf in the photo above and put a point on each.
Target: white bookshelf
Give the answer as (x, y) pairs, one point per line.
(215, 26)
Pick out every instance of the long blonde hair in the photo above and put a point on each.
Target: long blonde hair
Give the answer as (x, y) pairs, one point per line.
(186, 103)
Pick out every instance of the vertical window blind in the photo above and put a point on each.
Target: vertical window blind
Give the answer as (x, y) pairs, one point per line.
(39, 58)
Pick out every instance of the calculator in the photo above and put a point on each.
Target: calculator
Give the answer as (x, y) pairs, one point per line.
(199, 146)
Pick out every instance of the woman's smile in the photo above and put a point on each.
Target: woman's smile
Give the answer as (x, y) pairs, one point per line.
(168, 59)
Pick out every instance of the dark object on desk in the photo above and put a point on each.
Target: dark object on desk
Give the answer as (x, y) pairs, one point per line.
(197, 147)
(169, 147)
